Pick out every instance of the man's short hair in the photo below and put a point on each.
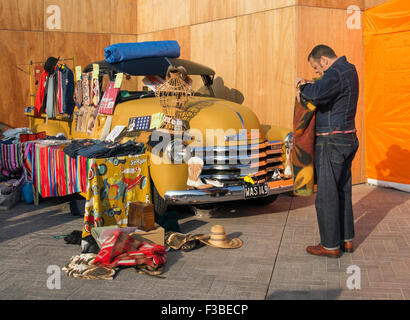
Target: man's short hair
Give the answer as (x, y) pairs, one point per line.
(321, 50)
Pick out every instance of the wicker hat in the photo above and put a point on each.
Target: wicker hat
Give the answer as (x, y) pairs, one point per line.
(217, 238)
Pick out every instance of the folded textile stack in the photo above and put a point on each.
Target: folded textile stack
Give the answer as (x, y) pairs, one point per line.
(135, 50)
(123, 250)
(102, 149)
(13, 135)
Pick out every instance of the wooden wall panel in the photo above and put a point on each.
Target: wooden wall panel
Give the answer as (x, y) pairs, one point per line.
(86, 47)
(344, 41)
(266, 64)
(81, 15)
(21, 15)
(214, 45)
(156, 15)
(210, 10)
(247, 7)
(339, 4)
(372, 3)
(122, 38)
(182, 35)
(17, 48)
(124, 16)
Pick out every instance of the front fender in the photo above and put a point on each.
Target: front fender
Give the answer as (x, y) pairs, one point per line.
(277, 133)
(167, 176)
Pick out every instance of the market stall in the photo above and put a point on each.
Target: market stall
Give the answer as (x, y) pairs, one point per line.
(74, 147)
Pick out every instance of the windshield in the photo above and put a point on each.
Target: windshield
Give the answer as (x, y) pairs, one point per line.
(139, 87)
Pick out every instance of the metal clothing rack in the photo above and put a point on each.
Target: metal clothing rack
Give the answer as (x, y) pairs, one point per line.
(31, 65)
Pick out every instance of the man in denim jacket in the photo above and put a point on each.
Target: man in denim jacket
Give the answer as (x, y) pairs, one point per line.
(335, 96)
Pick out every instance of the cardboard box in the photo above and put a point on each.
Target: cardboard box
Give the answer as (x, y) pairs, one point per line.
(141, 215)
(156, 235)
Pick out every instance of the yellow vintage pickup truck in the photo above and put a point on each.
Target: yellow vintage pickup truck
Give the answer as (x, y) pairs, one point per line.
(243, 158)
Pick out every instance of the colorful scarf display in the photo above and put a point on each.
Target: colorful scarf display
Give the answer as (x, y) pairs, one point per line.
(11, 156)
(57, 174)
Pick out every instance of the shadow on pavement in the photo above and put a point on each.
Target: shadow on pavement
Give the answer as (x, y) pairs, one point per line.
(25, 219)
(372, 209)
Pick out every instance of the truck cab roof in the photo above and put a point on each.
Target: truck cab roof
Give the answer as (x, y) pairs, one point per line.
(151, 66)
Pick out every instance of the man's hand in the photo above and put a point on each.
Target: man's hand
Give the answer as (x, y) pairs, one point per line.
(300, 81)
(298, 96)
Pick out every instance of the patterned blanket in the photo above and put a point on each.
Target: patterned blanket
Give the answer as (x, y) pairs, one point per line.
(113, 183)
(122, 249)
(302, 154)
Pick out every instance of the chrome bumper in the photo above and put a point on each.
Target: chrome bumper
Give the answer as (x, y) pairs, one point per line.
(215, 195)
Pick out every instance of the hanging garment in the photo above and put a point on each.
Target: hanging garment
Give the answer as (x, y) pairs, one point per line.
(85, 84)
(92, 117)
(95, 92)
(78, 94)
(50, 96)
(40, 93)
(59, 91)
(67, 89)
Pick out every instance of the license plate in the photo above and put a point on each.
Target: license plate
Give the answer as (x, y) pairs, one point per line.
(256, 190)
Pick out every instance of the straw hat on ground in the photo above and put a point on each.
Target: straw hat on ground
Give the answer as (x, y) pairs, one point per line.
(217, 238)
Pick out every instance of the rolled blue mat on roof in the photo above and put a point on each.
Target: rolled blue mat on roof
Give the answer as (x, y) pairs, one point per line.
(134, 50)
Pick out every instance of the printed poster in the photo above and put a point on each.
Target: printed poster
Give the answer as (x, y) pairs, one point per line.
(108, 100)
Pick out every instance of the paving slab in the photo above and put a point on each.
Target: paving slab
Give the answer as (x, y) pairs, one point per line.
(272, 264)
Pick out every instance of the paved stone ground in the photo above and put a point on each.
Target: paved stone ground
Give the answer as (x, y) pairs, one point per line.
(272, 264)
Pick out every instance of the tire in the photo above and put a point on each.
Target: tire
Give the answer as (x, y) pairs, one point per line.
(160, 206)
(264, 200)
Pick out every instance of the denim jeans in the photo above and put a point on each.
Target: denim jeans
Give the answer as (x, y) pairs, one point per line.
(333, 162)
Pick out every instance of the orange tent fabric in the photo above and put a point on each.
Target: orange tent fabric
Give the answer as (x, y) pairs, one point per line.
(387, 93)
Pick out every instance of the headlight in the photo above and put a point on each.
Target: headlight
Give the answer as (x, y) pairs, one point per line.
(289, 141)
(176, 151)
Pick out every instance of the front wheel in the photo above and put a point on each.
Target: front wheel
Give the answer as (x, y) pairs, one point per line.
(160, 205)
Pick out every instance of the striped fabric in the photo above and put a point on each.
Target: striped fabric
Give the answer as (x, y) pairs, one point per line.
(11, 156)
(123, 250)
(57, 174)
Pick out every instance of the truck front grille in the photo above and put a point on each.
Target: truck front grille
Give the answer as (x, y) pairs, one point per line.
(263, 161)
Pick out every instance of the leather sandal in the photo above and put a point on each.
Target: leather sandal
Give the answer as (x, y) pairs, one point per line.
(146, 269)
